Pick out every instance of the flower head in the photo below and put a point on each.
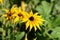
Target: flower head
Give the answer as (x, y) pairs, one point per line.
(20, 15)
(34, 20)
(9, 13)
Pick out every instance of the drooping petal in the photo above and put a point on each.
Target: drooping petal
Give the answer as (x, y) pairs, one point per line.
(38, 26)
(31, 26)
(26, 37)
(35, 28)
(34, 24)
(27, 25)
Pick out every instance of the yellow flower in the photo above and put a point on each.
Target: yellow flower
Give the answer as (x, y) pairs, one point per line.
(9, 13)
(20, 15)
(34, 21)
(1, 1)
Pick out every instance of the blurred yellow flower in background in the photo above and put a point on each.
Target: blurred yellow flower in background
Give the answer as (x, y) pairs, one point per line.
(34, 21)
(20, 15)
(9, 13)
(1, 1)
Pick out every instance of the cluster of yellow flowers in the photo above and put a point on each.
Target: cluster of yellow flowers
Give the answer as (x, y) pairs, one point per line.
(19, 13)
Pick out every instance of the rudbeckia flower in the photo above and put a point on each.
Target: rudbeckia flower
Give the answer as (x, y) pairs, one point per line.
(20, 15)
(9, 13)
(34, 20)
(1, 1)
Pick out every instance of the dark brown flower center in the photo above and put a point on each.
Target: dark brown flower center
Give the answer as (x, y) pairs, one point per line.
(9, 14)
(31, 18)
(20, 15)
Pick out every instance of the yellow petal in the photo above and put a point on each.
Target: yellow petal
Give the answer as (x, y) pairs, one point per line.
(6, 10)
(13, 9)
(31, 13)
(19, 9)
(27, 25)
(31, 26)
(26, 37)
(38, 26)
(16, 19)
(1, 1)
(4, 15)
(34, 26)
(35, 39)
(14, 15)
(35, 14)
(23, 6)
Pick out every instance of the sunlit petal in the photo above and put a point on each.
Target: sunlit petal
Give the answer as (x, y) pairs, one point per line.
(27, 25)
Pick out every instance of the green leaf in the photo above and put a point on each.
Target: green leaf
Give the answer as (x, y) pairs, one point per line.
(19, 36)
(47, 9)
(56, 22)
(35, 2)
(1, 30)
(7, 24)
(44, 9)
(56, 32)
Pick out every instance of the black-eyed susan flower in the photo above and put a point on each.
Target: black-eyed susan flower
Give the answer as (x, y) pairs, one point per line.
(1, 1)
(34, 20)
(9, 13)
(20, 15)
